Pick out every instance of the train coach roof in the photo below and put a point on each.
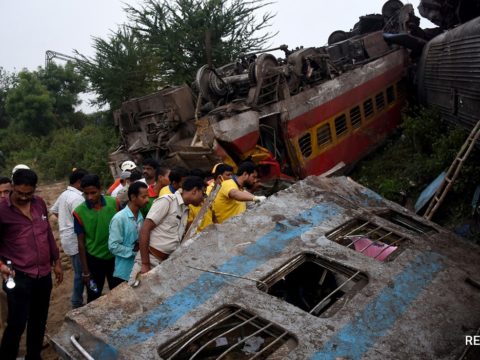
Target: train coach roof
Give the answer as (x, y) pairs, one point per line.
(416, 298)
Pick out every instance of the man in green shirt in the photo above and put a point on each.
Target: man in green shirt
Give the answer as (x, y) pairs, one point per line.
(91, 221)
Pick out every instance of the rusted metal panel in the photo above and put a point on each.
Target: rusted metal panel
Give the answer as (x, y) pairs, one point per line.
(146, 124)
(243, 124)
(375, 45)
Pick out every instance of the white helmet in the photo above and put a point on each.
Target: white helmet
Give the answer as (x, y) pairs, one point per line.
(128, 165)
(18, 167)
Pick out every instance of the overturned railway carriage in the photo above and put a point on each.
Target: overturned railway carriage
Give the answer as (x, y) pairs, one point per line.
(448, 76)
(343, 274)
(295, 116)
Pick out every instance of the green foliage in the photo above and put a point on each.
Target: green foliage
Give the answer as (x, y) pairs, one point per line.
(166, 43)
(18, 147)
(53, 156)
(43, 100)
(7, 82)
(30, 105)
(88, 149)
(413, 159)
(123, 67)
(178, 32)
(64, 84)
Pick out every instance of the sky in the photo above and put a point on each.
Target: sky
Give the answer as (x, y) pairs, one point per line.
(28, 28)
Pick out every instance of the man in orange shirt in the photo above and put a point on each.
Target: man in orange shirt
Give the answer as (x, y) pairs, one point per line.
(126, 166)
(162, 174)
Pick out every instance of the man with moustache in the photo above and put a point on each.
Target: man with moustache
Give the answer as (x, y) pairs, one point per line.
(231, 198)
(26, 239)
(149, 169)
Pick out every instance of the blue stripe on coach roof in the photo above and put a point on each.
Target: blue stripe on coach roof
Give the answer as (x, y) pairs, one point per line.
(372, 323)
(207, 284)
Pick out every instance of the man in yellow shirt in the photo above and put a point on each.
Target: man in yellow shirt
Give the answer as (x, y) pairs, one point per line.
(220, 173)
(176, 177)
(231, 198)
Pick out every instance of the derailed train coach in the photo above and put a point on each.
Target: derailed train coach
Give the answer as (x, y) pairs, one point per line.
(302, 114)
(343, 274)
(294, 116)
(448, 75)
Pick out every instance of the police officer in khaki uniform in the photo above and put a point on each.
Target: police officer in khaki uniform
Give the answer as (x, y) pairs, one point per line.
(164, 226)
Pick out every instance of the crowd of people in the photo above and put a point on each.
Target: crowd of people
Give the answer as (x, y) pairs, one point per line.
(115, 236)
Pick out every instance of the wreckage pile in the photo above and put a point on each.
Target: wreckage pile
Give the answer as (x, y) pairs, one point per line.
(383, 283)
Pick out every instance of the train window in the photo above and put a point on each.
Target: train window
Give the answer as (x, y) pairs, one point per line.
(407, 222)
(324, 136)
(305, 143)
(228, 333)
(355, 117)
(313, 284)
(368, 238)
(368, 108)
(380, 101)
(341, 125)
(390, 94)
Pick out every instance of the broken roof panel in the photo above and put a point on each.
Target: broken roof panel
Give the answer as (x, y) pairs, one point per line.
(417, 303)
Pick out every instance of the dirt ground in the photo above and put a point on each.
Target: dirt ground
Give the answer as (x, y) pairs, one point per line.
(60, 300)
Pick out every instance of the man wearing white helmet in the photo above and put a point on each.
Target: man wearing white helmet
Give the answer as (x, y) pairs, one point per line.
(127, 165)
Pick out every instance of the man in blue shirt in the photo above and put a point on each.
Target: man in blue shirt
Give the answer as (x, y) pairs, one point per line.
(124, 229)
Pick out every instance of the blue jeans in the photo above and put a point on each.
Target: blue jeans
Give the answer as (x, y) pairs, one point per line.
(77, 294)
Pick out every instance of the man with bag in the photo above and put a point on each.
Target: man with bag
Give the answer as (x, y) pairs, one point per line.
(163, 228)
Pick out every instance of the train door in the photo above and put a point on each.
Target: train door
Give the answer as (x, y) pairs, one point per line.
(272, 137)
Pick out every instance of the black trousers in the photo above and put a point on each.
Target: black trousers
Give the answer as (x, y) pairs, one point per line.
(99, 270)
(28, 305)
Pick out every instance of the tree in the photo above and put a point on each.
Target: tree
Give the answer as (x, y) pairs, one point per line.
(123, 67)
(184, 33)
(7, 82)
(30, 105)
(64, 85)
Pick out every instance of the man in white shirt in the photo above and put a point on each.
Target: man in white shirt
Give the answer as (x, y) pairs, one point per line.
(63, 209)
(124, 181)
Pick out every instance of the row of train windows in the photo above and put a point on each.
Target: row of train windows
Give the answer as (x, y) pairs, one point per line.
(341, 123)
